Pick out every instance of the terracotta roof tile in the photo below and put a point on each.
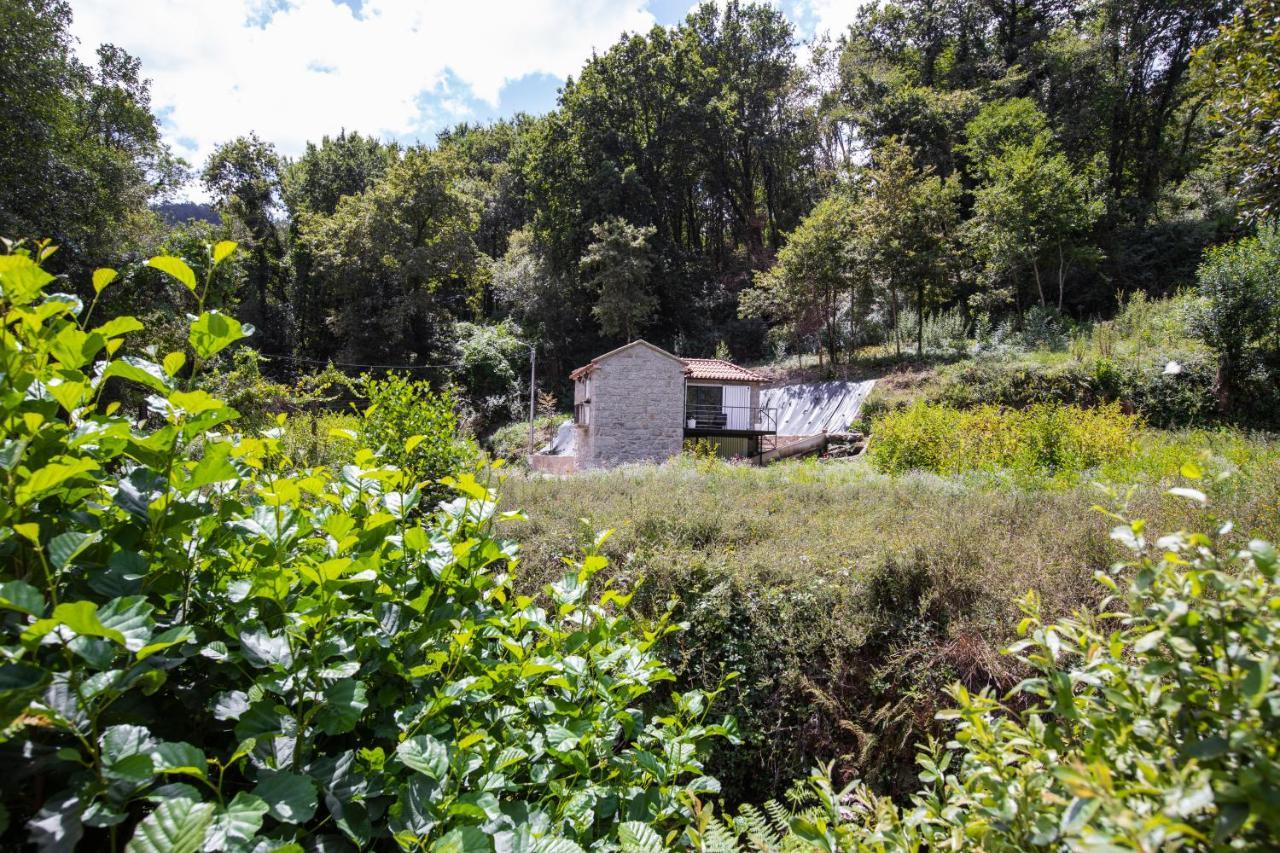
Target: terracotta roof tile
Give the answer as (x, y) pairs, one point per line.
(717, 369)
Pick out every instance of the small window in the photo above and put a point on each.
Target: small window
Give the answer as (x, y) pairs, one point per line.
(582, 413)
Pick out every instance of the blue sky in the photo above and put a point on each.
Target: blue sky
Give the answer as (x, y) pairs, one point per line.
(294, 70)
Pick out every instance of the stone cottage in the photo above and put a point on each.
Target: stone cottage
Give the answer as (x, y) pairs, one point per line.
(638, 403)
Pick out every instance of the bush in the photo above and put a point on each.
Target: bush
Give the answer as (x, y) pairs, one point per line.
(415, 429)
(1149, 724)
(1045, 439)
(511, 442)
(204, 648)
(1240, 320)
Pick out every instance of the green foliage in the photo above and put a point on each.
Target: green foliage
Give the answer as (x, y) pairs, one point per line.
(393, 266)
(80, 150)
(1241, 67)
(493, 359)
(415, 429)
(204, 647)
(511, 442)
(616, 265)
(1240, 320)
(1045, 438)
(1147, 723)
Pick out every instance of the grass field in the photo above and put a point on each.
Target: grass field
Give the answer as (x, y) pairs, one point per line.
(846, 599)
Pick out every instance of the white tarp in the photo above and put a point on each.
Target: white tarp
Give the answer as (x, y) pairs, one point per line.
(815, 407)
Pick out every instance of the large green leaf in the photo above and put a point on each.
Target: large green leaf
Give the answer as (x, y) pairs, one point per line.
(175, 267)
(133, 369)
(131, 616)
(73, 348)
(49, 477)
(79, 616)
(21, 279)
(290, 797)
(65, 547)
(464, 839)
(344, 703)
(424, 754)
(179, 757)
(176, 826)
(213, 332)
(238, 822)
(21, 596)
(638, 837)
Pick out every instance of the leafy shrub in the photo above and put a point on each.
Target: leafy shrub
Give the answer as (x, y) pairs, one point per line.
(511, 442)
(1043, 439)
(1147, 725)
(490, 357)
(204, 648)
(1240, 320)
(415, 429)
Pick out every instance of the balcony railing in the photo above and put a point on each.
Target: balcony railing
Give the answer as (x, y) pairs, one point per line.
(713, 418)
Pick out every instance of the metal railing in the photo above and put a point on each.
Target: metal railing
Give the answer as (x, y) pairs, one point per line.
(728, 418)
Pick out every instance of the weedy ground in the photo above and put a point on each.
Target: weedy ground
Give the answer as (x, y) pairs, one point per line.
(848, 599)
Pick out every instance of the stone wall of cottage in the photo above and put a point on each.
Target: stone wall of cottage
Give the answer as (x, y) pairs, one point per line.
(637, 410)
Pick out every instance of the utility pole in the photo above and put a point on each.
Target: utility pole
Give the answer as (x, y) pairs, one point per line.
(533, 390)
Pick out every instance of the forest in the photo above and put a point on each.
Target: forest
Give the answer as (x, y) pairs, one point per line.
(714, 182)
(274, 576)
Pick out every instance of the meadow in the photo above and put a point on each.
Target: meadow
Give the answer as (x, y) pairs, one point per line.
(847, 599)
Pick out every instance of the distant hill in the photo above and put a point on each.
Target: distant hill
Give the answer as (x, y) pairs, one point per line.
(181, 211)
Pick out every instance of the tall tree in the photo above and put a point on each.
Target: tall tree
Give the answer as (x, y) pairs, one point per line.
(313, 185)
(80, 150)
(806, 289)
(243, 178)
(1242, 74)
(905, 230)
(616, 265)
(398, 262)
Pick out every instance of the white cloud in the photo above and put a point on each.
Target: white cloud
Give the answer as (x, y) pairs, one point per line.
(829, 16)
(293, 70)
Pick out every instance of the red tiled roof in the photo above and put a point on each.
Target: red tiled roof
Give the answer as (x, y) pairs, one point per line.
(702, 369)
(717, 369)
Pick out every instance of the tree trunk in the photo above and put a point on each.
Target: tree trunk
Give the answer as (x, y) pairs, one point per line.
(1035, 268)
(920, 320)
(1061, 275)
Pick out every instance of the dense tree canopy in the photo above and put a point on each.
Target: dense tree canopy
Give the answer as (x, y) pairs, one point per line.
(711, 181)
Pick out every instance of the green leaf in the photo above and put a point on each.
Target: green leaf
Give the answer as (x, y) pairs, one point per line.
(195, 402)
(290, 797)
(345, 702)
(21, 596)
(51, 476)
(173, 637)
(131, 616)
(65, 547)
(102, 277)
(139, 370)
(464, 839)
(214, 467)
(176, 826)
(175, 267)
(637, 837)
(79, 616)
(480, 805)
(179, 757)
(119, 326)
(74, 349)
(21, 279)
(222, 250)
(213, 332)
(424, 754)
(239, 821)
(173, 362)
